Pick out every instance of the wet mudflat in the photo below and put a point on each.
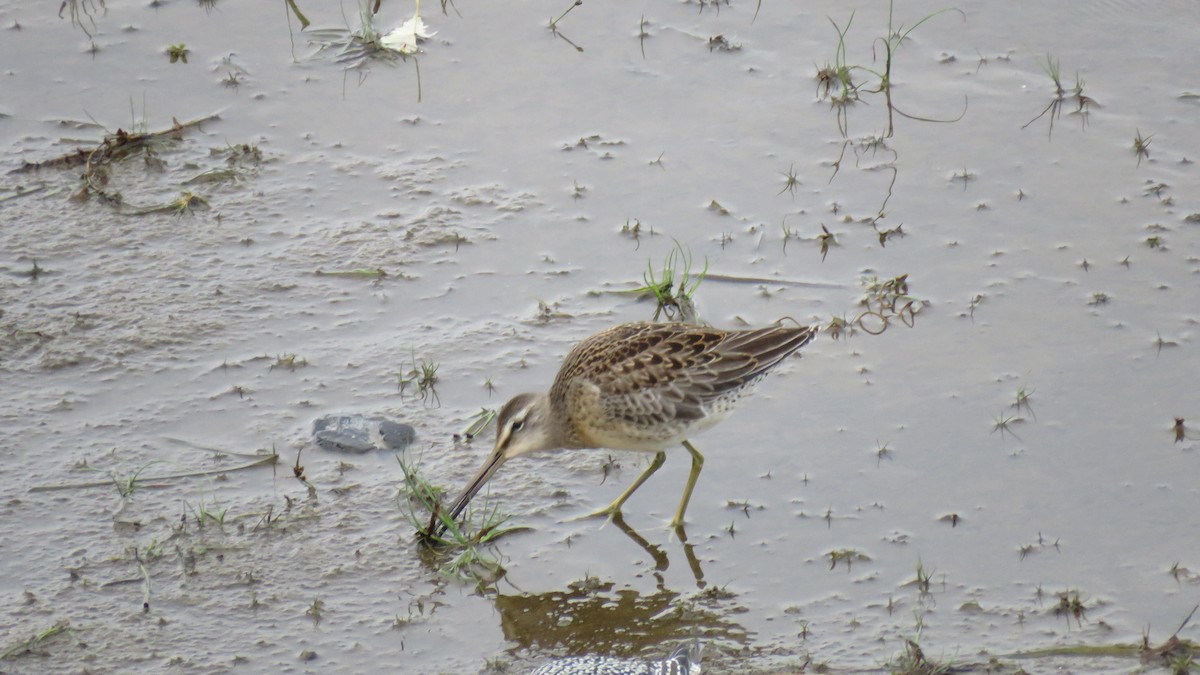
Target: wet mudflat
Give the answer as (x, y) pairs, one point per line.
(290, 224)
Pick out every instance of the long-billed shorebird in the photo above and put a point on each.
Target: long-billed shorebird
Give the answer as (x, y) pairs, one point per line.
(638, 386)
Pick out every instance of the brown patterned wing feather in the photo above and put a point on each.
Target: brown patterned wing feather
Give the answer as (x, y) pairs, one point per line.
(651, 373)
(655, 375)
(766, 347)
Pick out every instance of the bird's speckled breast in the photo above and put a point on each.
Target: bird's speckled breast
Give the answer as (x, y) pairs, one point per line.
(596, 425)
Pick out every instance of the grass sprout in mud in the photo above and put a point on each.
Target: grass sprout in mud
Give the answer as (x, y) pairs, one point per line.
(126, 484)
(1062, 97)
(835, 81)
(912, 661)
(633, 230)
(674, 287)
(458, 551)
(836, 84)
(423, 376)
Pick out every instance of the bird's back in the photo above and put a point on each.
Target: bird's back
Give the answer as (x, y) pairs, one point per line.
(643, 386)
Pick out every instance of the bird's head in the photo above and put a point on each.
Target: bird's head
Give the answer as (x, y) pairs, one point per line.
(523, 426)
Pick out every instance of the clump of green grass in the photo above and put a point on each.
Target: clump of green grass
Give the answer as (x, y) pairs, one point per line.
(423, 376)
(209, 513)
(1003, 424)
(1062, 96)
(1071, 606)
(844, 83)
(458, 550)
(924, 578)
(836, 81)
(882, 452)
(1024, 398)
(126, 484)
(912, 661)
(315, 610)
(1141, 146)
(674, 287)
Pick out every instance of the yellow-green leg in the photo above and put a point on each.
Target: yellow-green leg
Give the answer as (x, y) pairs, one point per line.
(615, 507)
(697, 465)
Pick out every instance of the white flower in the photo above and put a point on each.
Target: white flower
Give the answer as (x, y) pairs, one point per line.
(404, 39)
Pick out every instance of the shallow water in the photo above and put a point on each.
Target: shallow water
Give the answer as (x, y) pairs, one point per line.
(145, 340)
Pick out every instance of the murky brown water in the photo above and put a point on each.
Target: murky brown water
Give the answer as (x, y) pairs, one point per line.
(1057, 263)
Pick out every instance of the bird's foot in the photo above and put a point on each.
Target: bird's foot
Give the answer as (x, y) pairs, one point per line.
(608, 513)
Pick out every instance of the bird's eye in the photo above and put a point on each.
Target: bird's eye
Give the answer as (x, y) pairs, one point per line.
(517, 425)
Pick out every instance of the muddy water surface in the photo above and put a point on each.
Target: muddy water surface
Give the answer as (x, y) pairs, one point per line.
(952, 483)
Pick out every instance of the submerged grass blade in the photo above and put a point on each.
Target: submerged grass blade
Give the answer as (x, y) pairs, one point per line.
(459, 546)
(29, 645)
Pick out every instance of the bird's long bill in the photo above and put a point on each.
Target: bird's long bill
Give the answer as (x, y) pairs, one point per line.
(481, 478)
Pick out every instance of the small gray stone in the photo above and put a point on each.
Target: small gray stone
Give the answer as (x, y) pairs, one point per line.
(358, 434)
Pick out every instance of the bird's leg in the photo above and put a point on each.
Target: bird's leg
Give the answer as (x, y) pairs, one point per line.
(697, 465)
(615, 507)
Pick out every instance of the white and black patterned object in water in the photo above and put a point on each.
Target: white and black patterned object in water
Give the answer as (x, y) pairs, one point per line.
(683, 661)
